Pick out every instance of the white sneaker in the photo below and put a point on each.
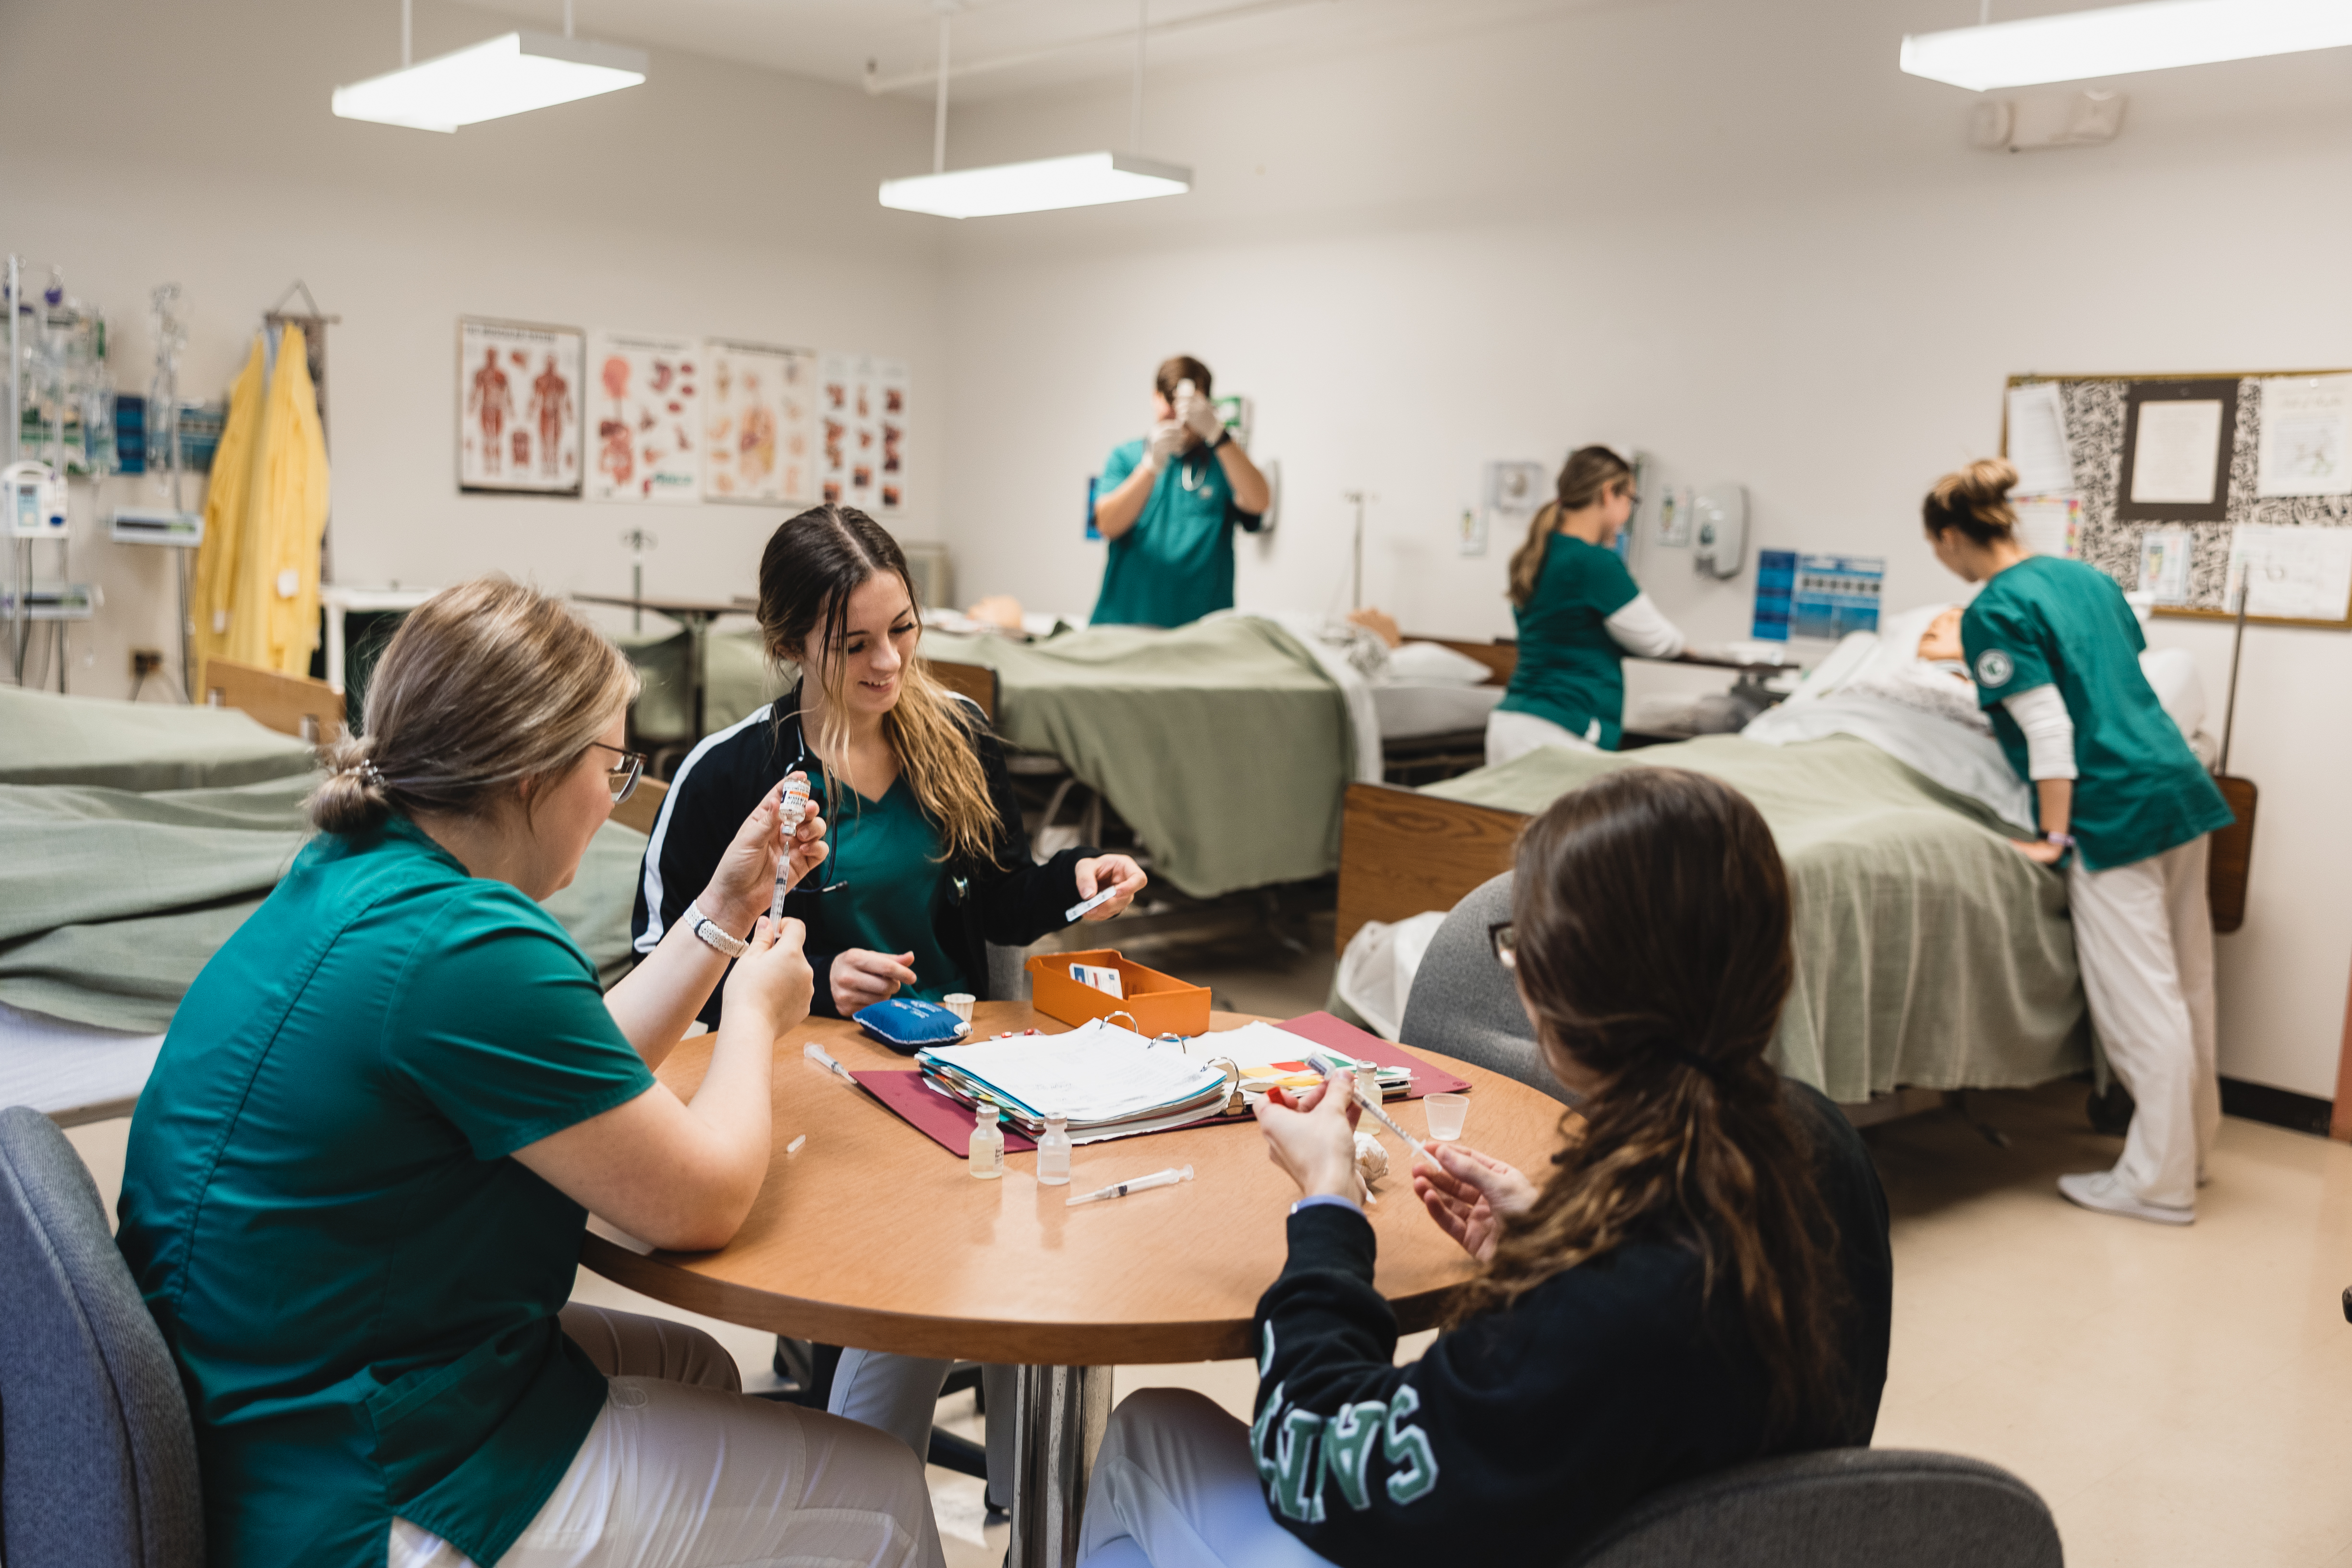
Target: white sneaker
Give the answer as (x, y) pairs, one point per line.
(2100, 1190)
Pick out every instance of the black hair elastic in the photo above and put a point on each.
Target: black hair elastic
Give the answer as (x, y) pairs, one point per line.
(1689, 1058)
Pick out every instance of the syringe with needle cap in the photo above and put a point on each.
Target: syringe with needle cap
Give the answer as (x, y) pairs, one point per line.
(1120, 1189)
(789, 810)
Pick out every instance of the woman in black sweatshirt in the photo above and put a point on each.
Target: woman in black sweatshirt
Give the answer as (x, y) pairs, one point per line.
(1701, 1278)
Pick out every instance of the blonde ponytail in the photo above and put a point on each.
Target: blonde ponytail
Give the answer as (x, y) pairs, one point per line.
(1590, 475)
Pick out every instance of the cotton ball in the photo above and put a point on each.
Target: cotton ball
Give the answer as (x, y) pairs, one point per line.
(1371, 1158)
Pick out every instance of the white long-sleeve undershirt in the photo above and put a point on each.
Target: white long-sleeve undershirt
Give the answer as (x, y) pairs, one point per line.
(1640, 627)
(2049, 731)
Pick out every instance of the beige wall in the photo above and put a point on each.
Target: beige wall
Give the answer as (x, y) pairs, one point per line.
(1731, 233)
(152, 141)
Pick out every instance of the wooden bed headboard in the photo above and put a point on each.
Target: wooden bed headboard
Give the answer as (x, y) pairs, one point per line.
(977, 681)
(1401, 852)
(1500, 657)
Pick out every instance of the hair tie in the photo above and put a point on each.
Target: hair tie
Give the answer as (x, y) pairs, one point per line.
(1690, 1058)
(365, 767)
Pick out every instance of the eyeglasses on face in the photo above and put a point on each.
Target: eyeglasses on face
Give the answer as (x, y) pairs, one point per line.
(622, 777)
(1505, 941)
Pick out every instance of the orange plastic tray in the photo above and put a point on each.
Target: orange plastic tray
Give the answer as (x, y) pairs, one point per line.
(1160, 1003)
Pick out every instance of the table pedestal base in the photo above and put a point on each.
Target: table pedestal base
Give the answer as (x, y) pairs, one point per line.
(1060, 1416)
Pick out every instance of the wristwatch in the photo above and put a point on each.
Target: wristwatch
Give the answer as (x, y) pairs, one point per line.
(2063, 840)
(712, 933)
(1224, 435)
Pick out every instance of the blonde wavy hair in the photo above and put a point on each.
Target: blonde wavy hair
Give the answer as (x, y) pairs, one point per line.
(813, 563)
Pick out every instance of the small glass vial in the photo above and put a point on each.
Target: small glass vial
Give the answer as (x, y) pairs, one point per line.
(1368, 1084)
(987, 1146)
(1054, 1151)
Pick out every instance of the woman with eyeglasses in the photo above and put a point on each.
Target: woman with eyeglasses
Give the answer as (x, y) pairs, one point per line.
(360, 1174)
(1579, 613)
(1701, 1279)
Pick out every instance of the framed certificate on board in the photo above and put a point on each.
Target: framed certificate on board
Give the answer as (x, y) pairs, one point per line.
(2178, 436)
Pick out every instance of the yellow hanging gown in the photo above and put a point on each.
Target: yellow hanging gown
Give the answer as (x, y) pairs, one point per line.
(274, 611)
(225, 509)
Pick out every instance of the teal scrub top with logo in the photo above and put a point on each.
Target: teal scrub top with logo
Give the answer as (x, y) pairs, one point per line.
(1570, 670)
(886, 885)
(2139, 790)
(1176, 564)
(358, 1284)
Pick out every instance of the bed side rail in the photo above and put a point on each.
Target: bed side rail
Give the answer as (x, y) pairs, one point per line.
(1401, 852)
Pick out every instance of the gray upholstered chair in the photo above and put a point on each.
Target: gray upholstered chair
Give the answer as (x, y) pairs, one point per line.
(1842, 1508)
(1464, 1003)
(97, 1461)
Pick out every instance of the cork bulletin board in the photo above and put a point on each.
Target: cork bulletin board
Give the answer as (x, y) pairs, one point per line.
(2102, 414)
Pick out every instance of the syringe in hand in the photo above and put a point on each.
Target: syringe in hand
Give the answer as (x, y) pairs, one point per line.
(789, 810)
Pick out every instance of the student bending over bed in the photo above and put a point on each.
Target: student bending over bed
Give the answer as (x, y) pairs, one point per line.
(929, 860)
(359, 1178)
(1703, 1277)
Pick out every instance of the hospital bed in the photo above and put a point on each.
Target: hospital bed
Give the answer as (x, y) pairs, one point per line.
(134, 839)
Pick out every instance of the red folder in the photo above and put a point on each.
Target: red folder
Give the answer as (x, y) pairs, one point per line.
(951, 1124)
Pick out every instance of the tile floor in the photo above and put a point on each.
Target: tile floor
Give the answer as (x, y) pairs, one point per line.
(2180, 1396)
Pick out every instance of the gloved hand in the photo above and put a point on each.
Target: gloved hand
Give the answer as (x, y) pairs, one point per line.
(1198, 415)
(1167, 439)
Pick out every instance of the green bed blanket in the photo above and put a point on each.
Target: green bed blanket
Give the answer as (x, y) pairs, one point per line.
(46, 738)
(1929, 953)
(1222, 743)
(112, 899)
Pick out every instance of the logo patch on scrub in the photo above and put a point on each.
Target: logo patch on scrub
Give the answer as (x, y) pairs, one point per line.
(1994, 667)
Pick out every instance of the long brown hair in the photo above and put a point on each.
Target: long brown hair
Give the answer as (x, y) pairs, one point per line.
(1591, 474)
(485, 685)
(1650, 911)
(1975, 500)
(812, 565)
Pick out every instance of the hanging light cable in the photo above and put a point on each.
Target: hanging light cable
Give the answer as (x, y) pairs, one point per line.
(1082, 179)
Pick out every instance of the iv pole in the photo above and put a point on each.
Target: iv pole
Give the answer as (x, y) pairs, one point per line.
(18, 627)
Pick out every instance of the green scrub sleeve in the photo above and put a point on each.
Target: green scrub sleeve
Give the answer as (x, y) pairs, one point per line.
(500, 1027)
(2005, 652)
(1122, 461)
(1613, 586)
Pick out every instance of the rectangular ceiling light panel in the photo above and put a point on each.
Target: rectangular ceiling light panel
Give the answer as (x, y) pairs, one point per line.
(489, 81)
(2120, 39)
(1083, 180)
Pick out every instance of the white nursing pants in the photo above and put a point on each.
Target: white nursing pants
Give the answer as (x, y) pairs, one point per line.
(2145, 937)
(1512, 735)
(682, 1471)
(897, 1393)
(1174, 1487)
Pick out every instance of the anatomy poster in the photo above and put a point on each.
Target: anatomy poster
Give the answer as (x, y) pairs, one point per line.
(645, 415)
(759, 418)
(862, 431)
(519, 407)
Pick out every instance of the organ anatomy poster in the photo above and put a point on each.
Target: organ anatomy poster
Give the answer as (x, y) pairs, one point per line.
(759, 423)
(645, 417)
(519, 407)
(862, 433)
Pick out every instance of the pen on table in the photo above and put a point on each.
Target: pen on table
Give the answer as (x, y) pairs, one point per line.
(1120, 1189)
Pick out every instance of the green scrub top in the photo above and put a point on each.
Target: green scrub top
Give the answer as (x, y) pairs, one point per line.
(886, 887)
(1176, 564)
(358, 1286)
(2047, 621)
(1571, 670)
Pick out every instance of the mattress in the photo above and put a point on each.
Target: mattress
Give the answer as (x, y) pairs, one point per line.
(1408, 708)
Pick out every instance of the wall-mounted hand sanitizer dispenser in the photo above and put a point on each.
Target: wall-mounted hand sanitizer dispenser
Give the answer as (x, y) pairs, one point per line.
(1719, 532)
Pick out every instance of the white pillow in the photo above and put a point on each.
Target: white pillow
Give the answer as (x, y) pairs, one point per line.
(1429, 664)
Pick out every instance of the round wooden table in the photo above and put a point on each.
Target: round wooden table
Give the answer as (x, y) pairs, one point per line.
(874, 1236)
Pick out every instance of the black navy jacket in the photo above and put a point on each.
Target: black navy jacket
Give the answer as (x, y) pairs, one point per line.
(1008, 899)
(1522, 1432)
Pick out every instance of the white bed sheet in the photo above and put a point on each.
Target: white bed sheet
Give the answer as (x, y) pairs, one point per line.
(1407, 709)
(55, 1066)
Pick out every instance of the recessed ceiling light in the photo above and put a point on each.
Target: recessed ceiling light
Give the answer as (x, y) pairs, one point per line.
(2120, 39)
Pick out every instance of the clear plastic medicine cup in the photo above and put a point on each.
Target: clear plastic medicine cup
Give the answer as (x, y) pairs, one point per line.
(1446, 1113)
